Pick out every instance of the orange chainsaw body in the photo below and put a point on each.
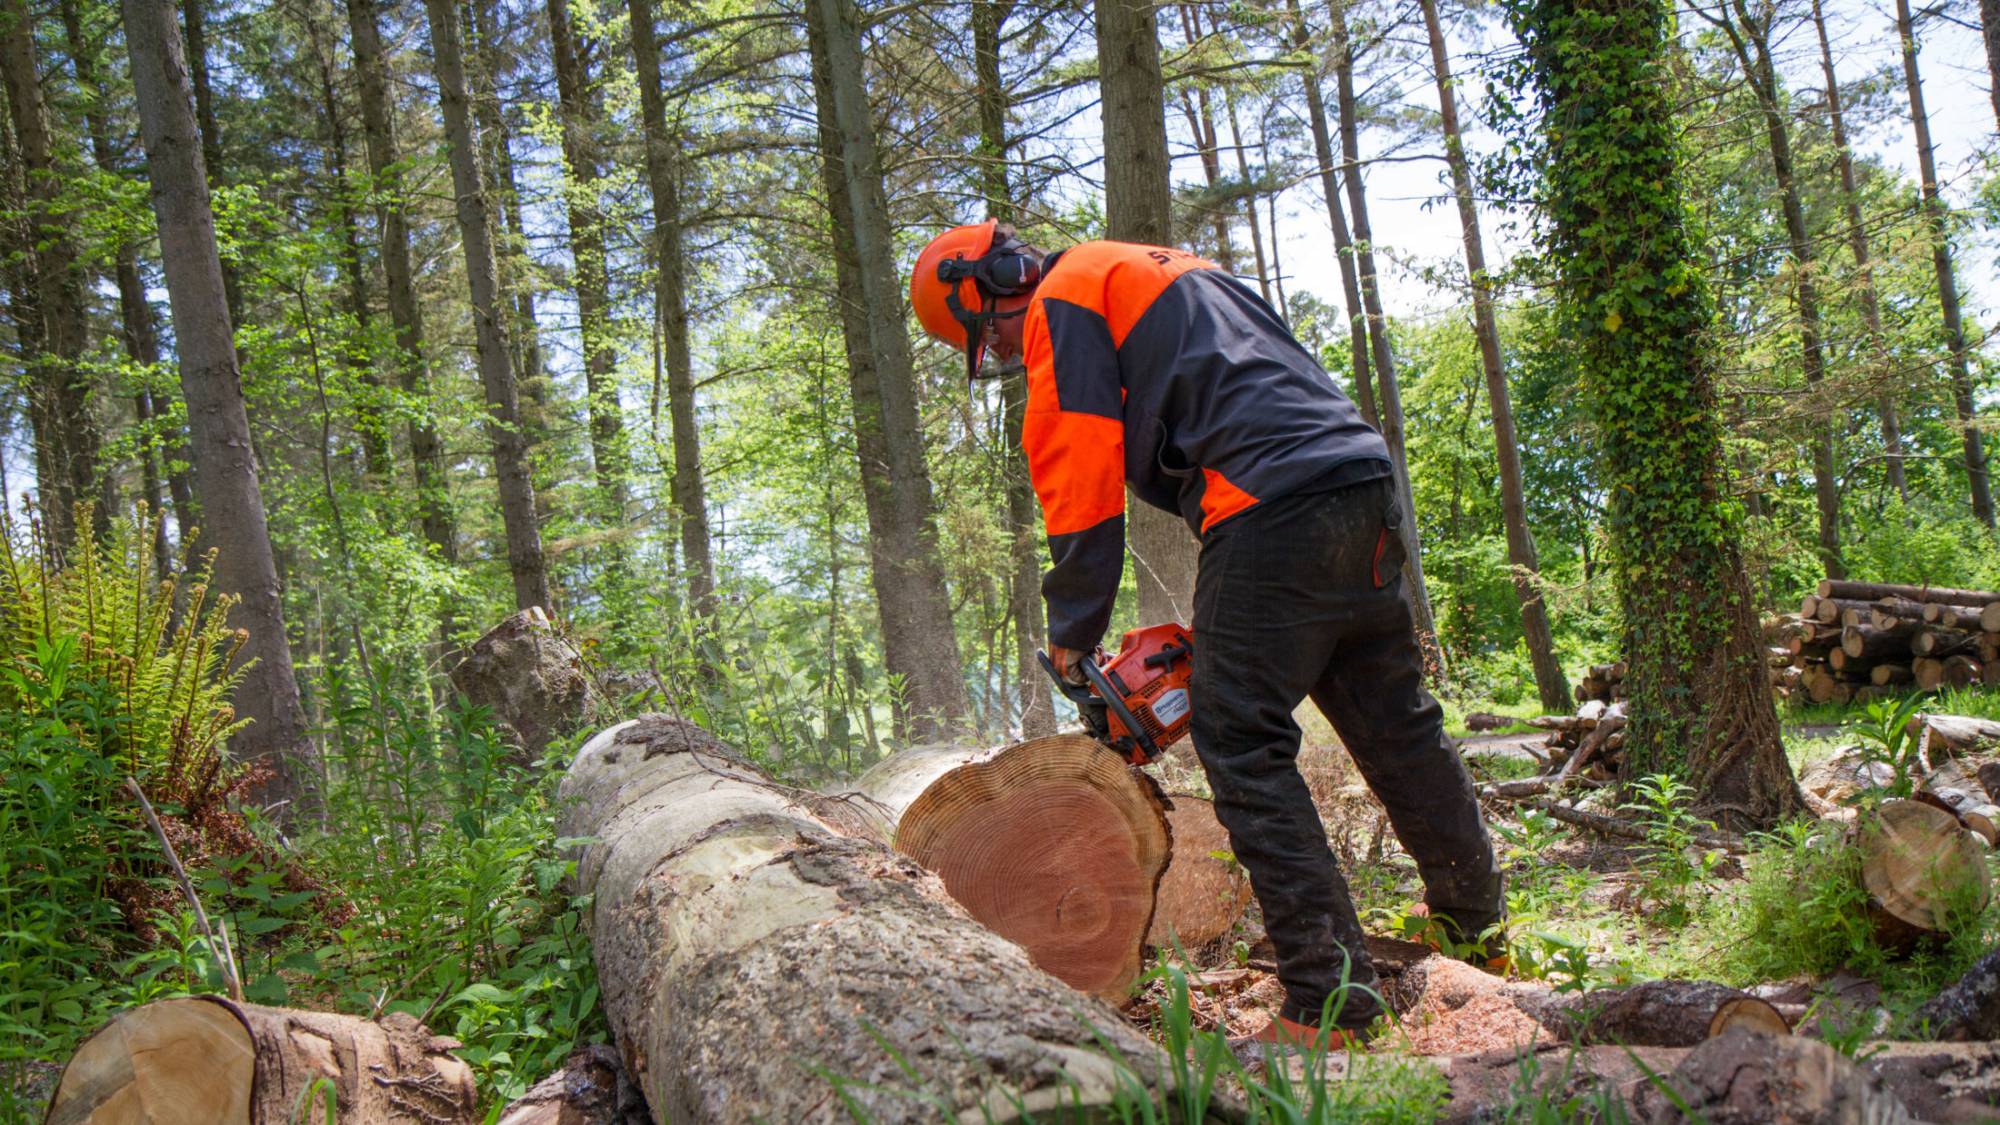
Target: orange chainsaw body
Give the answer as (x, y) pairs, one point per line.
(1148, 705)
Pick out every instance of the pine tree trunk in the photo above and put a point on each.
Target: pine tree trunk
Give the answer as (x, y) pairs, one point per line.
(688, 488)
(918, 640)
(496, 372)
(225, 470)
(1883, 374)
(1391, 406)
(1343, 241)
(1989, 26)
(1249, 199)
(1763, 79)
(405, 310)
(1701, 703)
(1138, 207)
(1024, 601)
(577, 101)
(1550, 683)
(1947, 280)
(66, 435)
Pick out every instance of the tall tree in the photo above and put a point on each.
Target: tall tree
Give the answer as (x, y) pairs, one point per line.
(1200, 116)
(511, 464)
(577, 102)
(1550, 683)
(1632, 299)
(989, 22)
(1138, 207)
(138, 333)
(1989, 26)
(378, 127)
(687, 489)
(918, 642)
(1749, 36)
(194, 18)
(225, 469)
(1977, 483)
(1380, 351)
(59, 390)
(1343, 241)
(1881, 373)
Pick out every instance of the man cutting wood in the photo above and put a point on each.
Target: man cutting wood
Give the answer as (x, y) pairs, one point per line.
(1152, 368)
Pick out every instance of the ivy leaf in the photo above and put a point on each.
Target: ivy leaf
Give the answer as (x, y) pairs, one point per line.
(1612, 321)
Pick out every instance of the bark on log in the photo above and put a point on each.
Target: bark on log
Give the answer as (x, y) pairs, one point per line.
(1952, 616)
(1958, 733)
(590, 1089)
(1875, 591)
(1831, 611)
(1866, 642)
(1884, 675)
(1919, 867)
(1968, 1008)
(209, 1059)
(1744, 1078)
(1940, 643)
(1055, 843)
(1660, 1013)
(1888, 611)
(759, 963)
(1204, 891)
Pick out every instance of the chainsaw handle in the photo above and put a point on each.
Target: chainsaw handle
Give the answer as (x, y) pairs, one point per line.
(1145, 749)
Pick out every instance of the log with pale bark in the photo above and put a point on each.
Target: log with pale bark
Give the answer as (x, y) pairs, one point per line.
(761, 957)
(1875, 591)
(1054, 843)
(219, 1062)
(591, 1088)
(1958, 733)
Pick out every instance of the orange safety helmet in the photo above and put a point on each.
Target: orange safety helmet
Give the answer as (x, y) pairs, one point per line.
(960, 277)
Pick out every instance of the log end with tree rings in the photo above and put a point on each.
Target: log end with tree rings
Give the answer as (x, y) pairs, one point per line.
(1750, 1014)
(1057, 845)
(1922, 870)
(211, 1060)
(1204, 890)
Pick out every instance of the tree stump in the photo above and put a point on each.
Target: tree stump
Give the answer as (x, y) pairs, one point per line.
(529, 677)
(1920, 868)
(208, 1059)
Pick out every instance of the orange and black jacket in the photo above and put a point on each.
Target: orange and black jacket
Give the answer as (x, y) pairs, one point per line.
(1153, 367)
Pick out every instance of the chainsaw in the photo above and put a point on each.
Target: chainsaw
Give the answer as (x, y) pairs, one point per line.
(1135, 702)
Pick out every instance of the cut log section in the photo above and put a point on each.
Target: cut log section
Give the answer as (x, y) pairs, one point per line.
(1876, 591)
(1922, 870)
(1968, 1008)
(590, 1089)
(1204, 891)
(1659, 1013)
(212, 1060)
(1744, 1078)
(1957, 733)
(1054, 843)
(755, 959)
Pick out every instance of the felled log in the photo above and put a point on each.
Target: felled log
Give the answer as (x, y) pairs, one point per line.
(1954, 732)
(1623, 829)
(1054, 843)
(1940, 643)
(1875, 591)
(1886, 675)
(1889, 612)
(1969, 1007)
(1866, 642)
(1747, 1079)
(1918, 866)
(530, 677)
(1963, 617)
(1962, 671)
(211, 1059)
(590, 1089)
(1928, 673)
(1979, 816)
(1204, 891)
(1836, 611)
(751, 950)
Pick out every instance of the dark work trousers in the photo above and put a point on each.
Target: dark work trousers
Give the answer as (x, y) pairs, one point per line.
(1304, 595)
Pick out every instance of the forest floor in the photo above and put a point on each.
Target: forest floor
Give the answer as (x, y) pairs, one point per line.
(1585, 912)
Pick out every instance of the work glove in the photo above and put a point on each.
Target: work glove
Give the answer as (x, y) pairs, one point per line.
(1068, 661)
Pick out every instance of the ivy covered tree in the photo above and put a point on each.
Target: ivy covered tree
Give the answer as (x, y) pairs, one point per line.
(1631, 295)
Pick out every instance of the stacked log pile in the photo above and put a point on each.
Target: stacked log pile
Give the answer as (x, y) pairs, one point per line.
(1604, 683)
(1585, 745)
(1866, 640)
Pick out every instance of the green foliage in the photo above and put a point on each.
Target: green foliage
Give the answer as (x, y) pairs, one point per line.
(100, 678)
(1802, 909)
(1673, 864)
(1885, 737)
